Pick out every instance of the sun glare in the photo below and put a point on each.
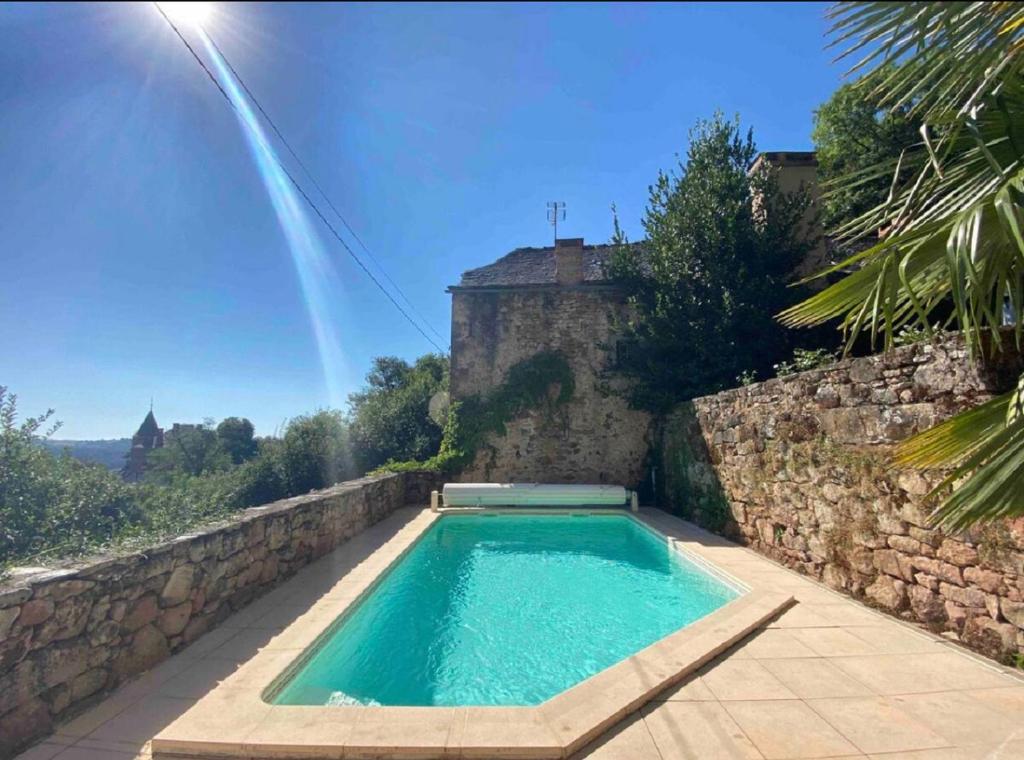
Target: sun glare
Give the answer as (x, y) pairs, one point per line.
(194, 14)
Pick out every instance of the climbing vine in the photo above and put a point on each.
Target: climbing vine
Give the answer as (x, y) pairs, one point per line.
(528, 385)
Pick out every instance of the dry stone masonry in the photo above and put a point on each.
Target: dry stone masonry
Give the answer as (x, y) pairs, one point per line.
(799, 468)
(68, 636)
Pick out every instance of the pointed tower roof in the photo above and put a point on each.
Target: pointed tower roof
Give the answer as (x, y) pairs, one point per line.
(148, 427)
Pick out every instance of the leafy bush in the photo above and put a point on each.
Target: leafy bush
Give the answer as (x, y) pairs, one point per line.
(193, 451)
(52, 506)
(528, 385)
(50, 503)
(746, 377)
(315, 452)
(390, 418)
(235, 435)
(805, 359)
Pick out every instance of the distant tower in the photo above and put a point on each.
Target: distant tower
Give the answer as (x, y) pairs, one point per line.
(148, 437)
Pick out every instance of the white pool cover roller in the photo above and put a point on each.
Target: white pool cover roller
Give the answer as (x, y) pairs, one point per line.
(532, 495)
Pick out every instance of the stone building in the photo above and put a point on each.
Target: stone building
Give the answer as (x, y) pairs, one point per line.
(548, 299)
(796, 171)
(149, 436)
(560, 299)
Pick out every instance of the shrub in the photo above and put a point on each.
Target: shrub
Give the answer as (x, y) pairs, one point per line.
(805, 359)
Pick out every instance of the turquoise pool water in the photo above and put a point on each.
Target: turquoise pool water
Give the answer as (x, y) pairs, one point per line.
(506, 610)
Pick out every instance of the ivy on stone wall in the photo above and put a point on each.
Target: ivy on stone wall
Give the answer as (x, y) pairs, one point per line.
(529, 384)
(683, 490)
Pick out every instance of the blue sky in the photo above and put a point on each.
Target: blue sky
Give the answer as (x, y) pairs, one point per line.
(141, 254)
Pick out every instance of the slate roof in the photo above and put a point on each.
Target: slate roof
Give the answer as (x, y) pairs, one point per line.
(148, 428)
(535, 266)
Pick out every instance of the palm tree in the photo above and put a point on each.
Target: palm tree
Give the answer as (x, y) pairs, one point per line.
(953, 233)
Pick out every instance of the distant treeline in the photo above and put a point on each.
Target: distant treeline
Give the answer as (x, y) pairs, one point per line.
(108, 452)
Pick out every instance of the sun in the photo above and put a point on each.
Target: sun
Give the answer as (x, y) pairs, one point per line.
(193, 14)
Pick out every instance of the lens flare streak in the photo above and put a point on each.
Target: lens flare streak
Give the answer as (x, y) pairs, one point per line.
(317, 276)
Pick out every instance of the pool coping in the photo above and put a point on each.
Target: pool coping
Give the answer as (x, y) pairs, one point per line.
(234, 720)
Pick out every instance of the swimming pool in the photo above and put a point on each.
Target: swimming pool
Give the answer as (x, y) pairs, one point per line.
(505, 609)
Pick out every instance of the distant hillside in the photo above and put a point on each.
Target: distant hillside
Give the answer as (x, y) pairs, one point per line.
(109, 453)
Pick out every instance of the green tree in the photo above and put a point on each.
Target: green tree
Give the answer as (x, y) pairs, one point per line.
(50, 503)
(721, 247)
(390, 417)
(193, 451)
(314, 453)
(955, 227)
(236, 438)
(858, 146)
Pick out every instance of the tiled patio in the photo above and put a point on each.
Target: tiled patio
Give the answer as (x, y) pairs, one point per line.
(829, 678)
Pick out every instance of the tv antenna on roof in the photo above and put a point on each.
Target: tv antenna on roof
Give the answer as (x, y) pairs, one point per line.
(556, 210)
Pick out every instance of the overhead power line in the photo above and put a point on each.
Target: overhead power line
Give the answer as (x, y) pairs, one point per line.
(319, 189)
(298, 187)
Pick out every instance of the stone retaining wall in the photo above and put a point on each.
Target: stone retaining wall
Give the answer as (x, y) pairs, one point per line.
(799, 469)
(68, 636)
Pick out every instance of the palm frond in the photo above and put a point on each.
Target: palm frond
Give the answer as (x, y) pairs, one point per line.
(951, 233)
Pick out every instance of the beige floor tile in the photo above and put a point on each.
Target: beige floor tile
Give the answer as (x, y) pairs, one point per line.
(479, 731)
(920, 673)
(693, 689)
(988, 752)
(815, 678)
(775, 643)
(815, 595)
(892, 638)
(90, 753)
(847, 612)
(198, 680)
(743, 680)
(424, 730)
(281, 617)
(95, 717)
(44, 751)
(630, 740)
(801, 616)
(877, 724)
(243, 645)
(697, 731)
(833, 642)
(143, 721)
(210, 641)
(1009, 701)
(245, 618)
(790, 729)
(962, 718)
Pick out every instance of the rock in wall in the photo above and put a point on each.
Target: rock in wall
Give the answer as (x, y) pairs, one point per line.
(799, 468)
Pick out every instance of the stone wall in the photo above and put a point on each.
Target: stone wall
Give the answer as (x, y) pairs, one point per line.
(67, 636)
(799, 469)
(594, 438)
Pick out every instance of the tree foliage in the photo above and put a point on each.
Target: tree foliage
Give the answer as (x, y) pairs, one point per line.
(57, 506)
(190, 450)
(543, 381)
(390, 417)
(858, 146)
(236, 437)
(52, 502)
(721, 246)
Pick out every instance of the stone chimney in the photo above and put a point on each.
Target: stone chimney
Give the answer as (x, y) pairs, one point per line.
(569, 261)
